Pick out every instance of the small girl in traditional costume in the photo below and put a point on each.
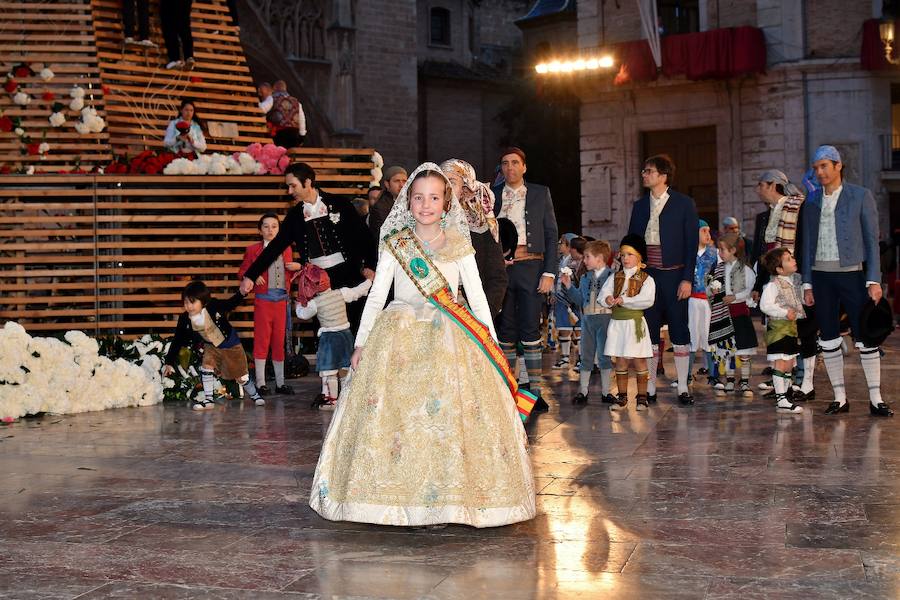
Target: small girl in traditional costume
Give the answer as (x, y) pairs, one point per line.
(731, 328)
(628, 293)
(428, 431)
(780, 301)
(316, 298)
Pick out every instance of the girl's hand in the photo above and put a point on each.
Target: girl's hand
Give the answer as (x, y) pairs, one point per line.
(565, 279)
(610, 301)
(354, 360)
(260, 280)
(168, 370)
(791, 314)
(728, 299)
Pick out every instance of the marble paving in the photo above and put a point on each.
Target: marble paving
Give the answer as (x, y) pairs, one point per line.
(721, 500)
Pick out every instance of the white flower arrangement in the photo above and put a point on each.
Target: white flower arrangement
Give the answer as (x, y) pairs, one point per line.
(566, 271)
(30, 170)
(377, 175)
(715, 286)
(76, 92)
(213, 164)
(82, 128)
(335, 217)
(76, 104)
(46, 74)
(49, 375)
(19, 131)
(44, 148)
(92, 120)
(377, 160)
(22, 99)
(57, 119)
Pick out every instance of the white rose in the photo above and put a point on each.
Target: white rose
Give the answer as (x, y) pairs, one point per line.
(57, 119)
(44, 148)
(46, 74)
(81, 128)
(335, 217)
(76, 104)
(19, 131)
(22, 99)
(30, 170)
(76, 92)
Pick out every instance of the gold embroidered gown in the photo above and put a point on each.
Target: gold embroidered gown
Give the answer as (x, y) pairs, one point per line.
(426, 432)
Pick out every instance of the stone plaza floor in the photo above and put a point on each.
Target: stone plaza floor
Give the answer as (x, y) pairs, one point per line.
(724, 499)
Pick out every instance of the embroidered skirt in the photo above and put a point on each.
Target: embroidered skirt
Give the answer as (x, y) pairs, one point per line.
(425, 433)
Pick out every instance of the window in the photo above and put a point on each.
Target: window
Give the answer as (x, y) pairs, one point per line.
(440, 27)
(678, 16)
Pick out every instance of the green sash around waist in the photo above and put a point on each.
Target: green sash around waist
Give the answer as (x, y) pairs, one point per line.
(620, 313)
(777, 329)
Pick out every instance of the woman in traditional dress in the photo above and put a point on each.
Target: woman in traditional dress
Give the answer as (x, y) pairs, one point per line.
(477, 202)
(427, 432)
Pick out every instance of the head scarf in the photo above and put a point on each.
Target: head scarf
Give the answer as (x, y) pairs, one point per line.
(401, 218)
(826, 153)
(701, 224)
(778, 177)
(311, 280)
(477, 199)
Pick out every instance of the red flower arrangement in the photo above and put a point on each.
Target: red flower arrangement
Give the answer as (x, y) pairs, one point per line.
(183, 126)
(11, 85)
(104, 88)
(22, 70)
(49, 96)
(195, 79)
(6, 124)
(147, 162)
(33, 149)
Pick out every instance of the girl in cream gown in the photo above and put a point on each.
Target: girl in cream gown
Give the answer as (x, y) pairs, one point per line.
(426, 432)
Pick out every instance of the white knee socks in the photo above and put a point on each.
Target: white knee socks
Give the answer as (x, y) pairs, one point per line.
(834, 366)
(809, 369)
(279, 372)
(871, 364)
(651, 371)
(682, 366)
(259, 367)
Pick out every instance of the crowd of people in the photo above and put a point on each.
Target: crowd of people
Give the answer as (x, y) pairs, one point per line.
(431, 319)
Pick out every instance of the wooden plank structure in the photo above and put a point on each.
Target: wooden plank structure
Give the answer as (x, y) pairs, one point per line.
(109, 254)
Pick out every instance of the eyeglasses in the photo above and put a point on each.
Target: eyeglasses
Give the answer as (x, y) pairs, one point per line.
(646, 171)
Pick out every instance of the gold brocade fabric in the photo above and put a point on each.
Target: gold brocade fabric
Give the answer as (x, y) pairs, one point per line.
(425, 433)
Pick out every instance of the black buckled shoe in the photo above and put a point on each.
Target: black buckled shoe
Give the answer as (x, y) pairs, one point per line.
(642, 402)
(621, 403)
(834, 408)
(319, 401)
(882, 410)
(579, 399)
(540, 406)
(284, 389)
(685, 399)
(263, 390)
(651, 398)
(800, 396)
(609, 399)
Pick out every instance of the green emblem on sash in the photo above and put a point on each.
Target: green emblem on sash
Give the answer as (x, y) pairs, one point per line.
(419, 268)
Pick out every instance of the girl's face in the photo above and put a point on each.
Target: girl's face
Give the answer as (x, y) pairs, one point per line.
(193, 307)
(575, 254)
(705, 237)
(187, 112)
(426, 200)
(629, 260)
(592, 262)
(563, 247)
(269, 229)
(725, 253)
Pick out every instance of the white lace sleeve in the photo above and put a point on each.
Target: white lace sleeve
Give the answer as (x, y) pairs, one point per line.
(471, 281)
(645, 297)
(378, 293)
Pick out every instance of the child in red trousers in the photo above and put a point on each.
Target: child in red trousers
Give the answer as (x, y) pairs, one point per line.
(270, 306)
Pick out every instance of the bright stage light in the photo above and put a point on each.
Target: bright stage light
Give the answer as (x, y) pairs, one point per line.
(575, 65)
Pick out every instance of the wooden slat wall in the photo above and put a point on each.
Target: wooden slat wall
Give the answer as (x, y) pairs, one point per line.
(108, 254)
(57, 35)
(144, 96)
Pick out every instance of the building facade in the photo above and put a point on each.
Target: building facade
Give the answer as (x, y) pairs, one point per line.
(725, 129)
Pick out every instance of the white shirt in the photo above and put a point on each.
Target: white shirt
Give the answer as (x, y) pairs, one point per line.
(651, 235)
(350, 294)
(266, 105)
(645, 298)
(749, 280)
(315, 210)
(826, 245)
(512, 207)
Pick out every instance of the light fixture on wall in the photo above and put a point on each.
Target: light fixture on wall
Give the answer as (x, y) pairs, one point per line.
(593, 63)
(886, 31)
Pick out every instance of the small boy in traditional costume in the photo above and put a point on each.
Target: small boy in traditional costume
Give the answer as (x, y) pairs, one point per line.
(205, 317)
(594, 318)
(628, 293)
(780, 301)
(316, 298)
